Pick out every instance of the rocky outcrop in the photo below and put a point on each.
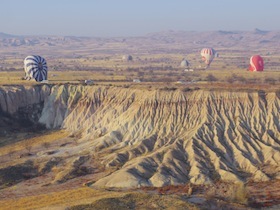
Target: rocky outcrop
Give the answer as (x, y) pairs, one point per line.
(21, 108)
(157, 138)
(12, 98)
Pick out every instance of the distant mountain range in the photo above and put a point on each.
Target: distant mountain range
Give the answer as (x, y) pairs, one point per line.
(153, 42)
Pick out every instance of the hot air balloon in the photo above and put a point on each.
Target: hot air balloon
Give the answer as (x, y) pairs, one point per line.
(35, 67)
(208, 54)
(256, 63)
(127, 58)
(184, 63)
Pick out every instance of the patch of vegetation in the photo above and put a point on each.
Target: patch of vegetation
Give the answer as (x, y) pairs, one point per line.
(270, 80)
(138, 201)
(168, 88)
(14, 174)
(211, 78)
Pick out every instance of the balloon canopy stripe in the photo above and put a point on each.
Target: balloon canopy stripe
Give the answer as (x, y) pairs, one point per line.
(36, 68)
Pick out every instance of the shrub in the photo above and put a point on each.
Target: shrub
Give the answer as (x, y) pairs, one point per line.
(46, 145)
(169, 88)
(126, 86)
(270, 80)
(236, 78)
(211, 78)
(28, 146)
(230, 80)
(242, 79)
(187, 89)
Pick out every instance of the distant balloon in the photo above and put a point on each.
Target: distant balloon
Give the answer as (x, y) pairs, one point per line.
(127, 58)
(184, 63)
(256, 63)
(35, 67)
(208, 54)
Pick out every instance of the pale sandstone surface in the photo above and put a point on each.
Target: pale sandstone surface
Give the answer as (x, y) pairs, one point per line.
(157, 137)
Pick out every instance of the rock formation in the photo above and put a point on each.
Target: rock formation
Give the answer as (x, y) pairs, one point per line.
(157, 137)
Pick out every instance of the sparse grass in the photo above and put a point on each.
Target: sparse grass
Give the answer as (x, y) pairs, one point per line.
(239, 194)
(46, 145)
(36, 140)
(63, 198)
(87, 198)
(231, 77)
(139, 201)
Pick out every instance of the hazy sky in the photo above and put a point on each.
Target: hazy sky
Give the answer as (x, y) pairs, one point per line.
(134, 17)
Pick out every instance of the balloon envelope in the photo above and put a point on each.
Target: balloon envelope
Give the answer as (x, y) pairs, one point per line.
(208, 54)
(35, 67)
(127, 58)
(184, 63)
(256, 63)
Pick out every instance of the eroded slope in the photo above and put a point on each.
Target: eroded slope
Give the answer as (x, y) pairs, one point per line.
(157, 138)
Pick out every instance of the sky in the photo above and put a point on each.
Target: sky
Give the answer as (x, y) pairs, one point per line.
(111, 18)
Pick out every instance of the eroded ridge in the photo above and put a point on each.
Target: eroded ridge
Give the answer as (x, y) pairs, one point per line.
(158, 138)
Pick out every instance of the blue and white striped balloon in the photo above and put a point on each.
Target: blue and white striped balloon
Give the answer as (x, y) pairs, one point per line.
(35, 67)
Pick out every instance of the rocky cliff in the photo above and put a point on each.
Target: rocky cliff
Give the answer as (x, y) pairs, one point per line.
(157, 137)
